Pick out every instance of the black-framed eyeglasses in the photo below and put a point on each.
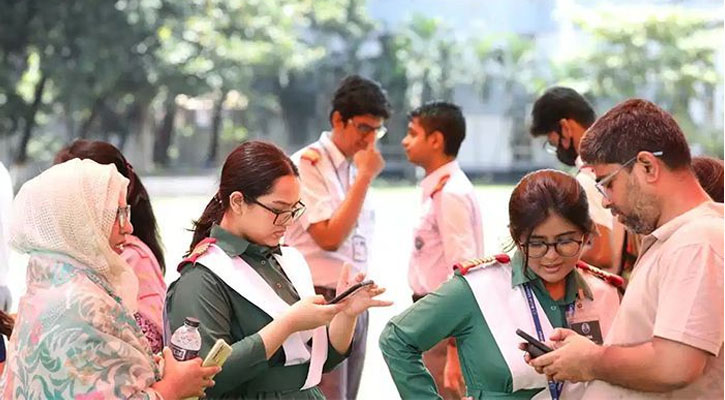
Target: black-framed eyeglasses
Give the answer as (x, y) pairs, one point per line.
(602, 184)
(563, 247)
(366, 129)
(284, 217)
(123, 215)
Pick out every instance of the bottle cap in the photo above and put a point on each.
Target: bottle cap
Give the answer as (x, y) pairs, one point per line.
(192, 321)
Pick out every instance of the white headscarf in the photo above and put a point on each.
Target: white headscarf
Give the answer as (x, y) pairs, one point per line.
(70, 209)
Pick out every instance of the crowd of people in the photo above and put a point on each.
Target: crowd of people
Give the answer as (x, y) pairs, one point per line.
(618, 268)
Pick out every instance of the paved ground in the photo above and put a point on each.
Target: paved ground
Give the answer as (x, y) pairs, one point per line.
(395, 215)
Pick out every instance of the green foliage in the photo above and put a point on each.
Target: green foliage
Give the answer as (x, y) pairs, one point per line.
(667, 57)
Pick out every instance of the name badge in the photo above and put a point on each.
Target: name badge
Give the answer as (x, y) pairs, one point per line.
(359, 249)
(585, 321)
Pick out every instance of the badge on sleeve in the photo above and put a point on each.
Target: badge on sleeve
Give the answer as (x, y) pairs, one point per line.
(359, 249)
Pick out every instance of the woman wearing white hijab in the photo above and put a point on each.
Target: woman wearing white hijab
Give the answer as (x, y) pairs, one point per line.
(75, 334)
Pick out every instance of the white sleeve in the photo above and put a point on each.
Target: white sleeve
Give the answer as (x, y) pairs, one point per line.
(453, 216)
(600, 215)
(315, 195)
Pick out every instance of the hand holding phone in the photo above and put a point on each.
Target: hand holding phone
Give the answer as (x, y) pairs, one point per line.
(535, 348)
(349, 291)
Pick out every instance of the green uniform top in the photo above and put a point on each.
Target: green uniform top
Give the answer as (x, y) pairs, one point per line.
(452, 311)
(225, 314)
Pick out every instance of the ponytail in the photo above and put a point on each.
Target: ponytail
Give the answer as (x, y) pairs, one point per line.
(212, 214)
(251, 168)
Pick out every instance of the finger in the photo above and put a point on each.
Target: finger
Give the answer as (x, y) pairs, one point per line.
(380, 303)
(345, 274)
(359, 277)
(318, 299)
(560, 334)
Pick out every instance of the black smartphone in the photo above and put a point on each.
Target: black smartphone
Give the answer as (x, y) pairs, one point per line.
(535, 347)
(352, 289)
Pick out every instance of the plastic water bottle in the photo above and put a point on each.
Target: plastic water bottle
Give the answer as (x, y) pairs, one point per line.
(186, 341)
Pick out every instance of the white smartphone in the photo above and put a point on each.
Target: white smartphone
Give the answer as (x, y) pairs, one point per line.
(218, 354)
(216, 357)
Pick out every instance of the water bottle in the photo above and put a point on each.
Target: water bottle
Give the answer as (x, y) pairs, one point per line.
(186, 341)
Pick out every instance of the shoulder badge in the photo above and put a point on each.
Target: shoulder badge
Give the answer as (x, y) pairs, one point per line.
(198, 251)
(442, 182)
(466, 266)
(612, 279)
(312, 155)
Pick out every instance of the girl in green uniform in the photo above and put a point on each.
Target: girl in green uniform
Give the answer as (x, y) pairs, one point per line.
(540, 286)
(257, 295)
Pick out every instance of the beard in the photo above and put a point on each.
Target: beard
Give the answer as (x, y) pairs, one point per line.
(567, 156)
(645, 213)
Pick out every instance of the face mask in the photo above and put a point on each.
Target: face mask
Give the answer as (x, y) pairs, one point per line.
(567, 156)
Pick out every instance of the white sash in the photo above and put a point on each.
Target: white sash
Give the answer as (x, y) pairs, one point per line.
(505, 309)
(243, 279)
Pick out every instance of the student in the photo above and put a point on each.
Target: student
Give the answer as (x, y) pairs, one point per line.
(449, 228)
(543, 285)
(668, 334)
(257, 295)
(336, 172)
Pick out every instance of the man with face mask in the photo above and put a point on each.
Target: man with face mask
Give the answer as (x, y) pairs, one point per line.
(562, 115)
(666, 340)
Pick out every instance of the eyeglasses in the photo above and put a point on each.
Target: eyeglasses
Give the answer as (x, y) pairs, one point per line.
(283, 217)
(123, 215)
(602, 184)
(564, 247)
(366, 129)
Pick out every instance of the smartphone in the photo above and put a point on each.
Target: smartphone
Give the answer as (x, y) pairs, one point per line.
(218, 354)
(352, 289)
(216, 357)
(535, 347)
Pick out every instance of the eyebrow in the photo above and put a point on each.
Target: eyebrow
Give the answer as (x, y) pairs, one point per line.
(561, 234)
(284, 203)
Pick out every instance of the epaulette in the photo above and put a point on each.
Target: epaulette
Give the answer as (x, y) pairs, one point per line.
(198, 251)
(466, 266)
(312, 155)
(439, 186)
(612, 279)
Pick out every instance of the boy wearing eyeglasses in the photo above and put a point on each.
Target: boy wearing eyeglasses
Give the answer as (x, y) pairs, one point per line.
(336, 172)
(562, 115)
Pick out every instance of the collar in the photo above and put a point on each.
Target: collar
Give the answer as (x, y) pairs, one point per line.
(670, 227)
(331, 149)
(233, 245)
(429, 183)
(574, 281)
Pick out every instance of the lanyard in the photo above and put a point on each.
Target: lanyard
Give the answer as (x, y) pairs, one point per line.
(554, 387)
(337, 174)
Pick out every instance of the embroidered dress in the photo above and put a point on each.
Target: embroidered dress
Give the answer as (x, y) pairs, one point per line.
(74, 339)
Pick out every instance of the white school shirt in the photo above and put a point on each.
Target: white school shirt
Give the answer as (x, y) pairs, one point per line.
(449, 229)
(588, 180)
(325, 183)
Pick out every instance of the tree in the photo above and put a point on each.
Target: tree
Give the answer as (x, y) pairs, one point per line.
(667, 56)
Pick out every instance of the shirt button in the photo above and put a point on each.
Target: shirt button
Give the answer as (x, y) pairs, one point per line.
(554, 308)
(264, 262)
(279, 285)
